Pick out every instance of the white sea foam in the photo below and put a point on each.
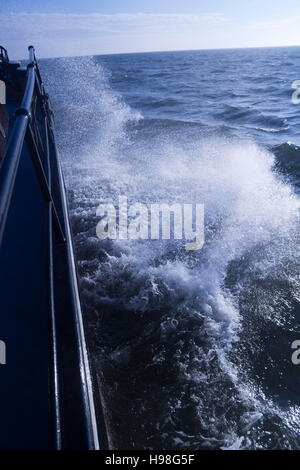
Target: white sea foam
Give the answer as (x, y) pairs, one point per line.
(251, 214)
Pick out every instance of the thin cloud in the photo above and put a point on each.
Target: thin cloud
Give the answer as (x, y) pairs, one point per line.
(280, 24)
(55, 33)
(59, 34)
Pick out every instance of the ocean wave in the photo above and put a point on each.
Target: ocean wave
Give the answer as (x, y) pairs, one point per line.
(269, 129)
(187, 345)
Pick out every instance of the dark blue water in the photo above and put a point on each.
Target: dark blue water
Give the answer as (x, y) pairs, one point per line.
(192, 349)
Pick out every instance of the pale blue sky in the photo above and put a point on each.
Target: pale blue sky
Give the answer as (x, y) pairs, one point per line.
(84, 27)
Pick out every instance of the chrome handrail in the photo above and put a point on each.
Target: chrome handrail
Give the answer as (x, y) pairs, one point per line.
(20, 134)
(15, 144)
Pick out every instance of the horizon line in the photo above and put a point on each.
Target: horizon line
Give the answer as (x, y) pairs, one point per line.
(164, 50)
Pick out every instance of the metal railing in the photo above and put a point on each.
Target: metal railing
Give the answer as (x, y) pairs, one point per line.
(21, 129)
(25, 131)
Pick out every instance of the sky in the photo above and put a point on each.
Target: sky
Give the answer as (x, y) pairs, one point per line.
(89, 27)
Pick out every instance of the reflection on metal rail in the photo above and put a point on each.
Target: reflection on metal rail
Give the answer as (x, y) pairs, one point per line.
(72, 415)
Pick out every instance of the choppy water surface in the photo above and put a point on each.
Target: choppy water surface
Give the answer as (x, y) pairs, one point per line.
(192, 349)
